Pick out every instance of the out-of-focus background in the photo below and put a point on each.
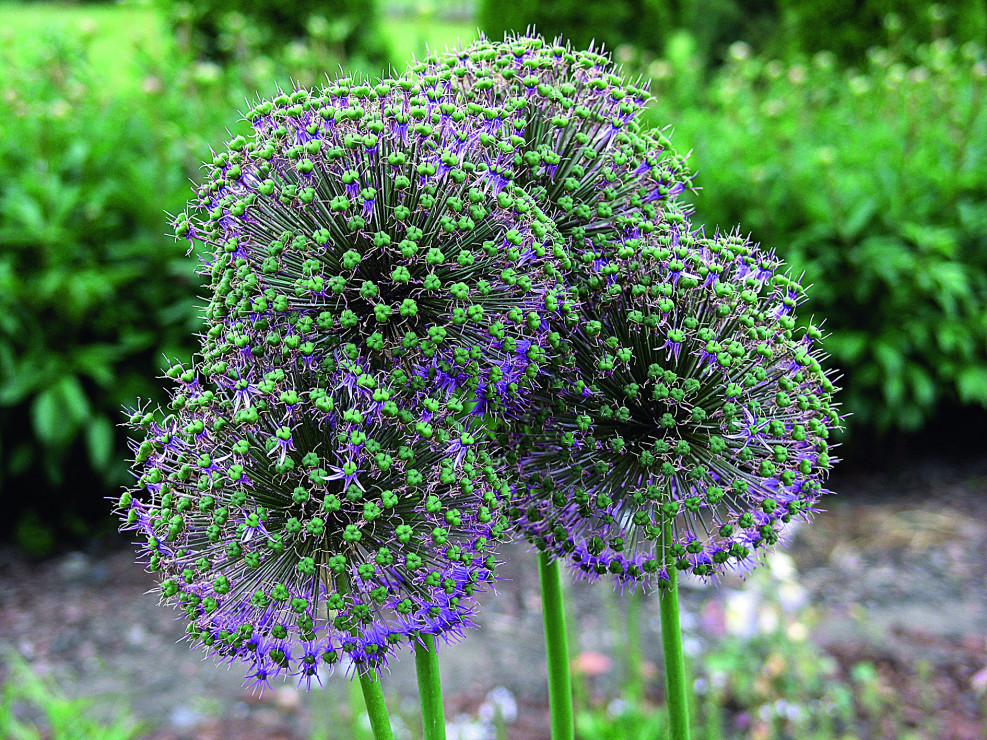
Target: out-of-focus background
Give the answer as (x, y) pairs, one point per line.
(849, 136)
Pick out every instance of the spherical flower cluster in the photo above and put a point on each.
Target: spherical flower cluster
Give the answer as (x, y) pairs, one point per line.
(585, 156)
(379, 221)
(694, 419)
(304, 523)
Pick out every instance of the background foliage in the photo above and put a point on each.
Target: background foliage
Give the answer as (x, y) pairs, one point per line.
(863, 166)
(214, 28)
(874, 182)
(848, 28)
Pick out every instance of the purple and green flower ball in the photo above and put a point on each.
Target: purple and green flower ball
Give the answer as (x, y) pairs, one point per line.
(379, 222)
(305, 524)
(587, 156)
(693, 420)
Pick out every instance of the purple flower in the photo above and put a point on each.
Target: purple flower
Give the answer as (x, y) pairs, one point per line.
(297, 531)
(355, 223)
(690, 420)
(576, 122)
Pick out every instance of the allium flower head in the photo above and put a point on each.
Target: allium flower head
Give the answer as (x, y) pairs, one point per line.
(378, 222)
(585, 155)
(694, 419)
(308, 522)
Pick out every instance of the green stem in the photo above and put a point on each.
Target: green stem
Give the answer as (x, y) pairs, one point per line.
(635, 673)
(430, 689)
(671, 640)
(559, 681)
(380, 722)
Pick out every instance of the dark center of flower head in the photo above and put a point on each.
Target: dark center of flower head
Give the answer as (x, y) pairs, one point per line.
(367, 219)
(303, 526)
(694, 418)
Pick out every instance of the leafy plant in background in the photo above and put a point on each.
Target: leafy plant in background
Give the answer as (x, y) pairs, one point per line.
(33, 707)
(82, 327)
(873, 182)
(227, 30)
(645, 25)
(849, 29)
(94, 297)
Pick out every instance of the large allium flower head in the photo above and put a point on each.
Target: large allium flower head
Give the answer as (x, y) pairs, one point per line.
(300, 525)
(379, 221)
(695, 419)
(584, 153)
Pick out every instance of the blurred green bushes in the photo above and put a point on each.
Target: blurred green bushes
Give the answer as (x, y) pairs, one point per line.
(645, 24)
(94, 294)
(215, 29)
(873, 181)
(847, 28)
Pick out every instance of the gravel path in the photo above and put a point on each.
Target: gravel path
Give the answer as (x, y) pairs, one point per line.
(897, 569)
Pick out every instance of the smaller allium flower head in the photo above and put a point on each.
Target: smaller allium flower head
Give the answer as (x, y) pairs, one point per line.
(304, 524)
(584, 154)
(693, 422)
(378, 221)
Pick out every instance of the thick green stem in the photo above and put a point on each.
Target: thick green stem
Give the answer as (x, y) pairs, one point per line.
(671, 640)
(380, 722)
(635, 672)
(430, 689)
(559, 681)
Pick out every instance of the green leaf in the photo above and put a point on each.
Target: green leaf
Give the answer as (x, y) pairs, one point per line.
(857, 219)
(58, 411)
(971, 384)
(99, 442)
(46, 416)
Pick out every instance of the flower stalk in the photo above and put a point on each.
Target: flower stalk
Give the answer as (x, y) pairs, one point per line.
(559, 679)
(671, 639)
(380, 721)
(430, 689)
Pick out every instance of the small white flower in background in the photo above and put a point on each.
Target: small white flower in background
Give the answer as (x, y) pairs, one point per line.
(792, 597)
(740, 50)
(499, 702)
(617, 708)
(797, 632)
(741, 613)
(768, 619)
(465, 727)
(781, 566)
(692, 647)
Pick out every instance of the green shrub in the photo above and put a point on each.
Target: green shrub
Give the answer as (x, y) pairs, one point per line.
(850, 27)
(226, 30)
(93, 294)
(582, 21)
(875, 184)
(647, 25)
